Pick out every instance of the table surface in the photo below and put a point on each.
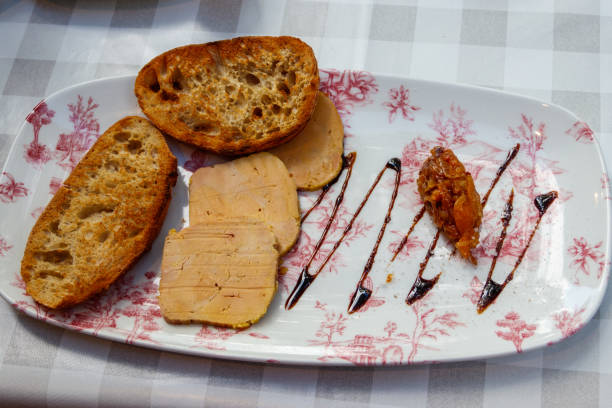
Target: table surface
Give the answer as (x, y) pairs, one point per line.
(554, 50)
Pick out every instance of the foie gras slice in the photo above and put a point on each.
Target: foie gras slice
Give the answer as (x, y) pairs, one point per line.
(219, 273)
(314, 156)
(257, 186)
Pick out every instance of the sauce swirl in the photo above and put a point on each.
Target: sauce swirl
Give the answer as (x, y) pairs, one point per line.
(362, 294)
(306, 278)
(492, 289)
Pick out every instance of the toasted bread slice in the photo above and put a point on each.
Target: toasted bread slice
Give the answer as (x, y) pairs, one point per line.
(314, 157)
(257, 186)
(221, 273)
(231, 97)
(107, 213)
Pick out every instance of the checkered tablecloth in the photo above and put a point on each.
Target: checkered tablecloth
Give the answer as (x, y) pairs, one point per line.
(554, 50)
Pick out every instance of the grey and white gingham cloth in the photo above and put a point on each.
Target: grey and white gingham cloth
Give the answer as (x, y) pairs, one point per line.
(554, 50)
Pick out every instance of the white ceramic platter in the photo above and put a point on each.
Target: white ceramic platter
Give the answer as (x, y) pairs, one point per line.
(556, 290)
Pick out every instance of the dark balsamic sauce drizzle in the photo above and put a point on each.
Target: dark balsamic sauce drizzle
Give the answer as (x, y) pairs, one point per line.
(421, 286)
(306, 278)
(415, 221)
(320, 198)
(511, 155)
(543, 201)
(492, 289)
(362, 294)
(347, 161)
(353, 218)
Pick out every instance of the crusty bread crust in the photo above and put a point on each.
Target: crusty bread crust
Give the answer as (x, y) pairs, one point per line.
(105, 216)
(231, 97)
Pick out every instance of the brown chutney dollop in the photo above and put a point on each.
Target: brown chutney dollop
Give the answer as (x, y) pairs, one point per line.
(451, 199)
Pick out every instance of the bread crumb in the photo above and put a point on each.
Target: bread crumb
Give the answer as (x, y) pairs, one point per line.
(389, 277)
(282, 270)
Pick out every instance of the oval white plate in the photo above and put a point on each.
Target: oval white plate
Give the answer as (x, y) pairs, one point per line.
(556, 290)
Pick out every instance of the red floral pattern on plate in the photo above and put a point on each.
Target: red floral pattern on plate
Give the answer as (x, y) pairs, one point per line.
(72, 146)
(35, 213)
(581, 132)
(525, 174)
(4, 246)
(259, 335)
(11, 189)
(41, 312)
(430, 325)
(347, 89)
(37, 153)
(532, 135)
(413, 156)
(584, 255)
(568, 322)
(473, 293)
(391, 348)
(518, 330)
(320, 305)
(125, 298)
(605, 186)
(454, 129)
(54, 184)
(400, 103)
(212, 338)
